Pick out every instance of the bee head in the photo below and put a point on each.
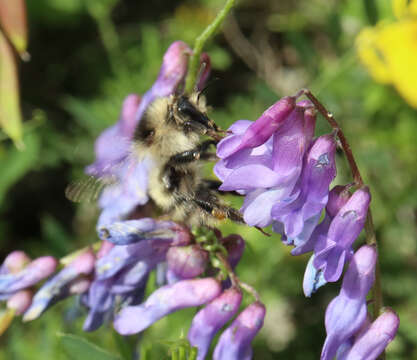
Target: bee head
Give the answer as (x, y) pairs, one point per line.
(193, 115)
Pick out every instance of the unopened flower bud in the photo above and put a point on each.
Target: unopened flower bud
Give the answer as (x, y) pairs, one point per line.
(338, 197)
(187, 261)
(235, 342)
(235, 246)
(208, 321)
(20, 301)
(34, 272)
(79, 286)
(165, 300)
(15, 261)
(84, 263)
(173, 69)
(373, 342)
(57, 287)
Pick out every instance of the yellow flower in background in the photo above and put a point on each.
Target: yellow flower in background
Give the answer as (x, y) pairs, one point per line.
(389, 50)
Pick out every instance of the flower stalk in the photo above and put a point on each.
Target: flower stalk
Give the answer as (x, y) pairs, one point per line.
(210, 30)
(235, 279)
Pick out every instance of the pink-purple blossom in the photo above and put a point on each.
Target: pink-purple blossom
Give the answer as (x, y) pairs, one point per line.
(235, 342)
(347, 312)
(165, 300)
(209, 320)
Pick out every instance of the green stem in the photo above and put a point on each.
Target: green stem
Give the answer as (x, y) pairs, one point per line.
(210, 30)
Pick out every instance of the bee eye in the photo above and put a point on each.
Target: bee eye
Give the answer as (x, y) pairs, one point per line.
(148, 133)
(186, 108)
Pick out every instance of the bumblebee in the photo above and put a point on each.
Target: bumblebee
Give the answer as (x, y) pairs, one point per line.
(170, 132)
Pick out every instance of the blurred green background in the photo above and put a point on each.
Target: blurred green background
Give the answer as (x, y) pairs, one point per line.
(86, 56)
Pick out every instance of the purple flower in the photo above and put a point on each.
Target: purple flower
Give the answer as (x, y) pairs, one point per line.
(235, 342)
(132, 231)
(130, 190)
(370, 343)
(347, 312)
(113, 158)
(122, 270)
(30, 275)
(119, 136)
(14, 262)
(264, 159)
(332, 251)
(313, 278)
(112, 146)
(297, 215)
(208, 321)
(57, 287)
(165, 300)
(259, 131)
(187, 262)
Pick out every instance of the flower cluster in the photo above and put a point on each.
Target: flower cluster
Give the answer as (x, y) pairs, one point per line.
(111, 282)
(284, 174)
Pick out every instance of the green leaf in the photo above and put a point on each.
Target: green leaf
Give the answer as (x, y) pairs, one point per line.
(78, 348)
(10, 116)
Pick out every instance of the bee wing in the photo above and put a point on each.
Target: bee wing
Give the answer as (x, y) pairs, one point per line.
(88, 188)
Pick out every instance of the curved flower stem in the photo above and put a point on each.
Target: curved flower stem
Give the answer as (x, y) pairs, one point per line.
(235, 280)
(199, 44)
(369, 227)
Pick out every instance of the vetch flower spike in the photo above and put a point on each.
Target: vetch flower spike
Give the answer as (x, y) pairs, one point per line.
(235, 342)
(347, 312)
(208, 321)
(165, 300)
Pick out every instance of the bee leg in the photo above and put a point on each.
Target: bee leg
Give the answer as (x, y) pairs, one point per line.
(209, 202)
(191, 155)
(220, 212)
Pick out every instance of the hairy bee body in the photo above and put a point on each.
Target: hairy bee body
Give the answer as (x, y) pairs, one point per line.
(170, 133)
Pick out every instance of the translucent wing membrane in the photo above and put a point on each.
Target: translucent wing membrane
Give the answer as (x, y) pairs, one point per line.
(88, 188)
